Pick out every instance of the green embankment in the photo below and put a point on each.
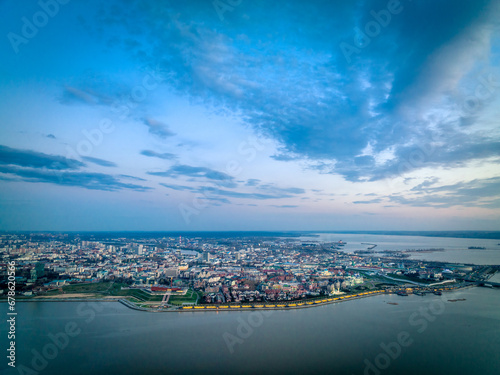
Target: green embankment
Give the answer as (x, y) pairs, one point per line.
(414, 279)
(106, 289)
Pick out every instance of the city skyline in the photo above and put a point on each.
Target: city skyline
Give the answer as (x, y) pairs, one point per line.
(231, 115)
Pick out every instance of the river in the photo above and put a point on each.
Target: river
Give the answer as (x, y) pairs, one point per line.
(420, 334)
(456, 250)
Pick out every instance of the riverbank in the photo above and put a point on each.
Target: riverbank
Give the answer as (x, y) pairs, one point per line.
(290, 305)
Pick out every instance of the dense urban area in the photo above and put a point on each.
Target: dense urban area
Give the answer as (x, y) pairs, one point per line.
(176, 272)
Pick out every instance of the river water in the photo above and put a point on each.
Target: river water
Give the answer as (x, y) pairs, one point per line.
(456, 250)
(427, 334)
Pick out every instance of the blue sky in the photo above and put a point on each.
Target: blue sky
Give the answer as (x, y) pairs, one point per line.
(250, 115)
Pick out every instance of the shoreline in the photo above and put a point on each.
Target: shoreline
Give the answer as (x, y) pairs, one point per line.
(290, 305)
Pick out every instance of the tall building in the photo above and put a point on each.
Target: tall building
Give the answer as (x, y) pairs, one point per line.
(206, 256)
(140, 250)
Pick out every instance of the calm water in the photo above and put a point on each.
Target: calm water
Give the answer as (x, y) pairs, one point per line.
(346, 338)
(456, 249)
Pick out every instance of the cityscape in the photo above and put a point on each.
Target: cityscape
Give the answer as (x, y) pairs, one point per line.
(250, 187)
(167, 273)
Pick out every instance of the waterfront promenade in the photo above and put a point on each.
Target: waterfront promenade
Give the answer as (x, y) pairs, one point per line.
(286, 305)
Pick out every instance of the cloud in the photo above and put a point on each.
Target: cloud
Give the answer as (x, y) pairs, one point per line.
(101, 162)
(219, 200)
(279, 190)
(284, 206)
(424, 185)
(51, 136)
(153, 154)
(32, 166)
(94, 89)
(272, 188)
(376, 200)
(158, 128)
(285, 157)
(179, 187)
(34, 159)
(211, 191)
(476, 193)
(252, 182)
(461, 150)
(132, 177)
(88, 180)
(220, 178)
(295, 84)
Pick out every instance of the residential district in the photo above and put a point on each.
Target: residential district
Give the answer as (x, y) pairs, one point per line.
(149, 271)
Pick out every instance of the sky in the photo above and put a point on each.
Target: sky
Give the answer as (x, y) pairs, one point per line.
(250, 115)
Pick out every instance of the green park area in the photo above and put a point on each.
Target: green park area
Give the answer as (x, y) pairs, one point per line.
(190, 297)
(112, 289)
(408, 278)
(103, 290)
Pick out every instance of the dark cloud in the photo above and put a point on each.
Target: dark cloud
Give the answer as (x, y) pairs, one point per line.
(179, 187)
(376, 200)
(32, 166)
(132, 177)
(51, 136)
(101, 162)
(211, 191)
(271, 188)
(158, 128)
(88, 180)
(299, 88)
(95, 89)
(424, 185)
(218, 200)
(482, 193)
(252, 182)
(285, 157)
(154, 154)
(219, 178)
(34, 159)
(462, 149)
